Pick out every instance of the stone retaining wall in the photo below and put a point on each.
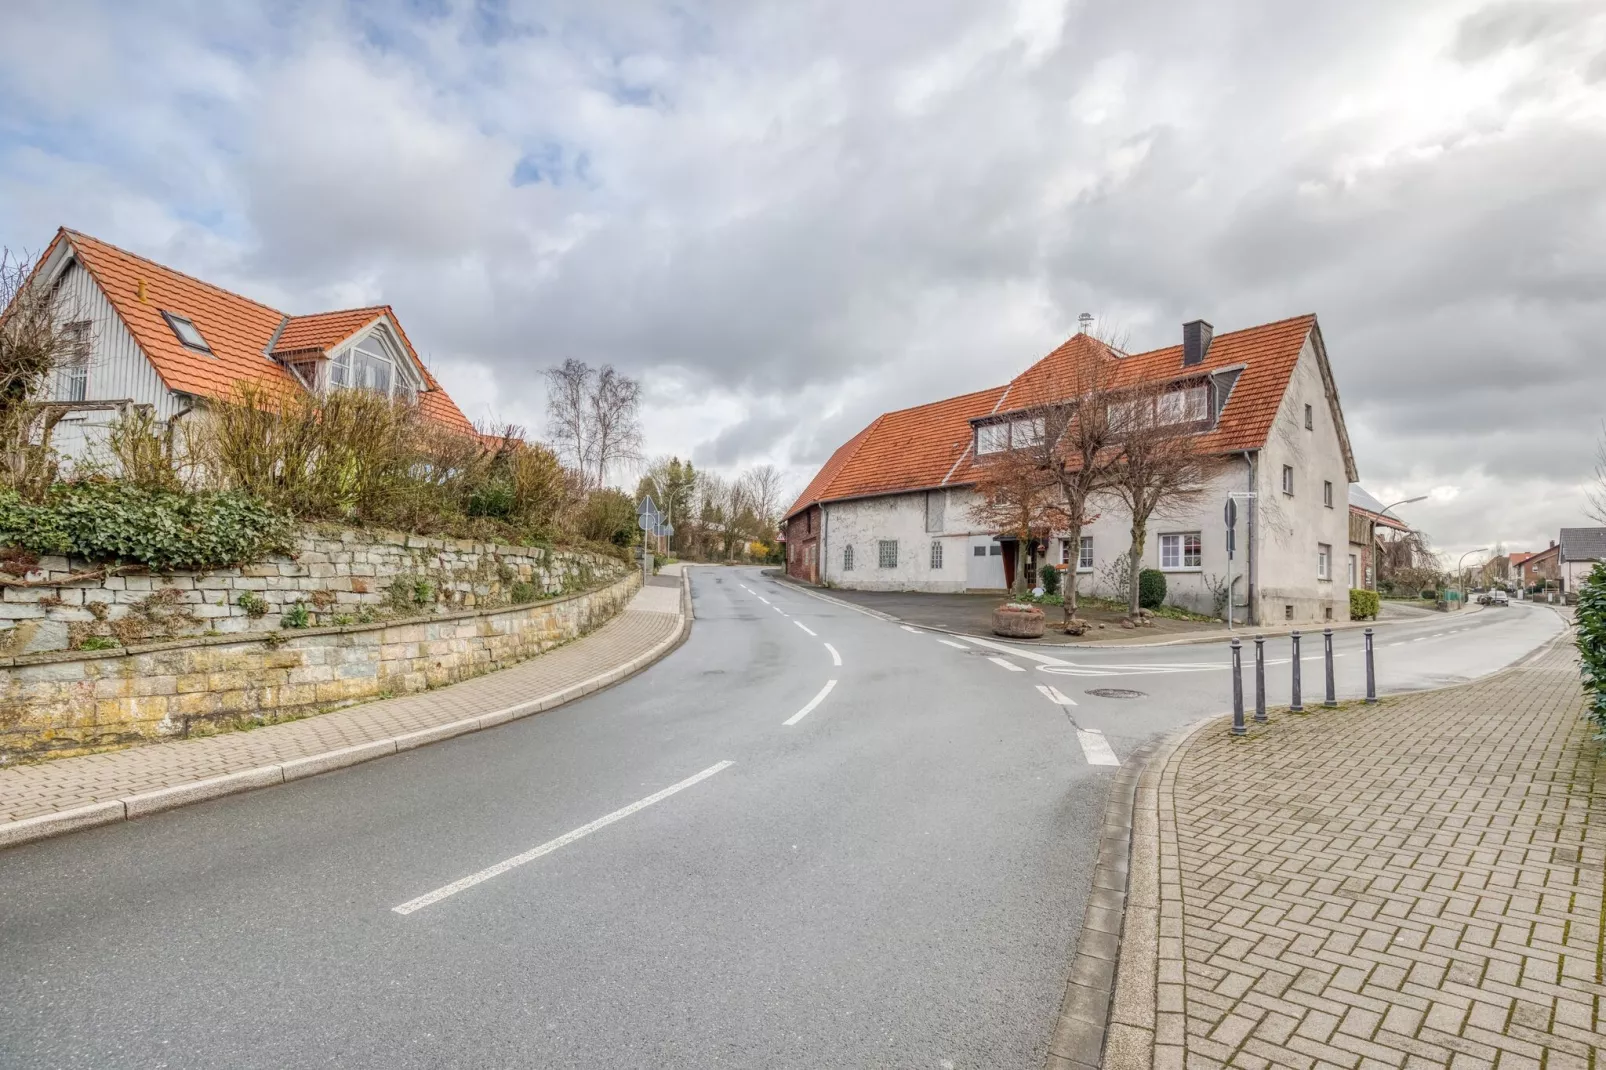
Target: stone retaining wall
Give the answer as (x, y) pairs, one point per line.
(339, 577)
(67, 702)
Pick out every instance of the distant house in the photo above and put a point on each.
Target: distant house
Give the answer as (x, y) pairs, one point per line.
(152, 336)
(1579, 551)
(891, 508)
(1538, 569)
(1368, 518)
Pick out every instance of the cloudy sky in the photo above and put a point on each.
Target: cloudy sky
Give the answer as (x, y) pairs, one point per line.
(786, 218)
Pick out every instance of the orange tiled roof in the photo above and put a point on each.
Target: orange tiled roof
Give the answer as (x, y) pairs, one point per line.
(237, 329)
(929, 445)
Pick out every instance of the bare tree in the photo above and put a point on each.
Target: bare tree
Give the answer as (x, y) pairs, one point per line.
(593, 417)
(615, 420)
(39, 334)
(568, 413)
(765, 491)
(1018, 495)
(1596, 494)
(1158, 467)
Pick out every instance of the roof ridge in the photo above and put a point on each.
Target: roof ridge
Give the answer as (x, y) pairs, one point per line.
(1218, 337)
(345, 311)
(172, 270)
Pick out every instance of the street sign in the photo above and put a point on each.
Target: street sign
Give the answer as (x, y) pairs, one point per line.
(647, 514)
(1231, 514)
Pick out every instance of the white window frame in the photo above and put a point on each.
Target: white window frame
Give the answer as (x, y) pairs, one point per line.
(1324, 561)
(72, 374)
(991, 438)
(1186, 404)
(1175, 545)
(1327, 493)
(1288, 480)
(847, 558)
(887, 553)
(404, 379)
(1084, 556)
(936, 555)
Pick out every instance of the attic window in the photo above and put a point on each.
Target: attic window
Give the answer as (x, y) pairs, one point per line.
(187, 332)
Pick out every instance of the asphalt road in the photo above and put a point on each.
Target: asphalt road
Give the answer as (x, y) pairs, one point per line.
(893, 879)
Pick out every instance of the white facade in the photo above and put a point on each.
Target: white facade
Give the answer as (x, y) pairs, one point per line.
(1287, 531)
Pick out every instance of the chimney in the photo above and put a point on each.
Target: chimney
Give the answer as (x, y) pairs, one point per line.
(1083, 322)
(1196, 335)
(139, 290)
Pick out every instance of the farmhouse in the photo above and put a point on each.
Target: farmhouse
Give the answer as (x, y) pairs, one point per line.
(892, 507)
(152, 336)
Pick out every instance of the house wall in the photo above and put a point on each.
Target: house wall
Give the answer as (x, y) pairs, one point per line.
(1574, 573)
(803, 545)
(118, 369)
(902, 518)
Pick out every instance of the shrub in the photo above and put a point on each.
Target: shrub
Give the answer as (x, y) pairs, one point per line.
(297, 616)
(1591, 619)
(1362, 604)
(1049, 577)
(143, 450)
(1151, 588)
(117, 522)
(255, 605)
(523, 592)
(609, 516)
(1430, 594)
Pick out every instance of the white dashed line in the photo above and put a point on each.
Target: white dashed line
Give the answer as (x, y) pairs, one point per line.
(1054, 695)
(813, 702)
(779, 610)
(836, 659)
(761, 598)
(805, 627)
(916, 631)
(1095, 747)
(552, 845)
(1400, 643)
(1419, 638)
(1005, 663)
(956, 646)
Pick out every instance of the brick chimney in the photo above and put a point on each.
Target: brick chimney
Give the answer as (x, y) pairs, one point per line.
(1196, 335)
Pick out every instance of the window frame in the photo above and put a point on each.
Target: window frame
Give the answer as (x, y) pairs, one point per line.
(847, 558)
(405, 383)
(200, 345)
(1310, 417)
(1178, 541)
(72, 374)
(1324, 561)
(936, 555)
(1288, 480)
(1327, 493)
(1085, 549)
(882, 554)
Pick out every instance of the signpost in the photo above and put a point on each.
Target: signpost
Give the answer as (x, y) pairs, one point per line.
(650, 520)
(1229, 515)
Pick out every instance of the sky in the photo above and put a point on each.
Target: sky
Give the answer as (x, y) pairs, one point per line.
(786, 218)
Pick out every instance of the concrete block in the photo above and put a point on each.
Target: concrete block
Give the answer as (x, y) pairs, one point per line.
(153, 802)
(47, 825)
(297, 768)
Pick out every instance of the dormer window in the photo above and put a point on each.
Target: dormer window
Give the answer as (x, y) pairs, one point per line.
(369, 364)
(186, 332)
(1019, 433)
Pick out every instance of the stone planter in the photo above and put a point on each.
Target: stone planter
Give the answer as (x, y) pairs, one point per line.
(1018, 622)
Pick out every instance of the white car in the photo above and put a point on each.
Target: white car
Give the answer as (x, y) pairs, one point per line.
(1499, 598)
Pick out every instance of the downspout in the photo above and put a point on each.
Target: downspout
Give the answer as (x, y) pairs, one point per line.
(1249, 540)
(825, 526)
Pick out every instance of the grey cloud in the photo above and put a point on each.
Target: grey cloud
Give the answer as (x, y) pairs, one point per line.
(1515, 23)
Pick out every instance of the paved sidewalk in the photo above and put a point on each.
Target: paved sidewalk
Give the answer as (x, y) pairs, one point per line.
(125, 783)
(1418, 884)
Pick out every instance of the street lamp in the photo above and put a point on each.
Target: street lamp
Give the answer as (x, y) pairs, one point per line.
(1406, 501)
(1403, 501)
(1462, 576)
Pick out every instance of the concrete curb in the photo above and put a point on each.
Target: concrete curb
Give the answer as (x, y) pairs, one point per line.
(110, 811)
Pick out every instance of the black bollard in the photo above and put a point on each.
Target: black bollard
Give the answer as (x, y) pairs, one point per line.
(1371, 676)
(1260, 679)
(1238, 728)
(1327, 642)
(1298, 705)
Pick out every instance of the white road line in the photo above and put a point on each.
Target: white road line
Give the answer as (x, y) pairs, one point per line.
(916, 631)
(836, 659)
(956, 646)
(1005, 663)
(1096, 747)
(745, 587)
(552, 845)
(761, 598)
(1419, 638)
(1400, 643)
(805, 627)
(1437, 635)
(1054, 695)
(779, 610)
(813, 702)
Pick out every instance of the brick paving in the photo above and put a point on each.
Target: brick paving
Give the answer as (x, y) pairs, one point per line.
(67, 783)
(1418, 884)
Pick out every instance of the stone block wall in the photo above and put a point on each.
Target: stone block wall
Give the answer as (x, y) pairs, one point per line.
(339, 577)
(62, 703)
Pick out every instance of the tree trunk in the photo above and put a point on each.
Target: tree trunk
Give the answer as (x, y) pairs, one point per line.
(1068, 586)
(1140, 534)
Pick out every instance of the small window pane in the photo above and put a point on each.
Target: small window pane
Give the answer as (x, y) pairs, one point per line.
(992, 438)
(1288, 479)
(847, 559)
(187, 332)
(1170, 551)
(1084, 561)
(979, 551)
(1327, 494)
(1192, 551)
(995, 550)
(888, 553)
(936, 556)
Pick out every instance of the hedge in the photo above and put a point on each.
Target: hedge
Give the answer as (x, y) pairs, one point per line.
(1592, 645)
(107, 522)
(1362, 604)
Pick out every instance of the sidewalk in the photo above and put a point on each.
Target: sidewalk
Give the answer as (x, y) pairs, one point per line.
(49, 798)
(1413, 885)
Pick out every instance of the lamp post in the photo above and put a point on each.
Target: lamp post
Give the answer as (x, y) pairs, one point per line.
(1386, 508)
(1462, 576)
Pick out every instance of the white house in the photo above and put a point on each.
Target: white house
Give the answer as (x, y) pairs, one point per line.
(891, 509)
(152, 336)
(1581, 550)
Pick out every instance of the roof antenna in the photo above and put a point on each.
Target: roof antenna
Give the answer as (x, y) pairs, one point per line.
(1084, 321)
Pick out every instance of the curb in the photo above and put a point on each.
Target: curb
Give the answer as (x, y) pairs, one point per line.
(130, 807)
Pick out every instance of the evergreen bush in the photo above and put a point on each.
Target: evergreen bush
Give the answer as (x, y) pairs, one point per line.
(1151, 588)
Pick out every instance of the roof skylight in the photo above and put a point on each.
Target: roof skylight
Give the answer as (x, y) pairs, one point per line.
(186, 331)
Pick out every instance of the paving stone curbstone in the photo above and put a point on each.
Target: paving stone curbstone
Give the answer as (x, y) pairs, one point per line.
(154, 802)
(296, 768)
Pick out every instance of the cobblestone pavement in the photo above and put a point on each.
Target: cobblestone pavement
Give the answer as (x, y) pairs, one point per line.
(67, 783)
(1417, 884)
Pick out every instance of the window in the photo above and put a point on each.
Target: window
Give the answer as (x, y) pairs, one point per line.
(887, 550)
(370, 365)
(992, 438)
(1084, 557)
(996, 550)
(72, 375)
(1354, 571)
(979, 551)
(1025, 432)
(1181, 551)
(847, 559)
(1327, 493)
(1288, 612)
(1185, 405)
(187, 332)
(936, 502)
(1288, 480)
(1310, 418)
(1324, 561)
(1013, 434)
(936, 557)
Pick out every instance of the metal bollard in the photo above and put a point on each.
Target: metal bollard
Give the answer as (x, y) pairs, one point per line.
(1327, 642)
(1238, 728)
(1298, 705)
(1260, 679)
(1371, 676)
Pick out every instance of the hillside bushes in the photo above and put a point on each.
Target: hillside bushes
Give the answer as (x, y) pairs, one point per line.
(1592, 646)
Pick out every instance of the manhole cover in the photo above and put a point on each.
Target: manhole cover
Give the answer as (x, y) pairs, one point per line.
(1115, 692)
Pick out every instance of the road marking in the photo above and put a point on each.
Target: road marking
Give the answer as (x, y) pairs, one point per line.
(1436, 635)
(1400, 643)
(916, 631)
(813, 702)
(1095, 747)
(745, 587)
(777, 609)
(805, 627)
(1054, 695)
(1005, 663)
(956, 646)
(836, 659)
(761, 598)
(1419, 638)
(552, 845)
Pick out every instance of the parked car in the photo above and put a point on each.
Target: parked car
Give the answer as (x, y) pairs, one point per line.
(1499, 598)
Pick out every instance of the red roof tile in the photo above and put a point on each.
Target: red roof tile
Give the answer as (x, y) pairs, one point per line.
(237, 329)
(929, 445)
